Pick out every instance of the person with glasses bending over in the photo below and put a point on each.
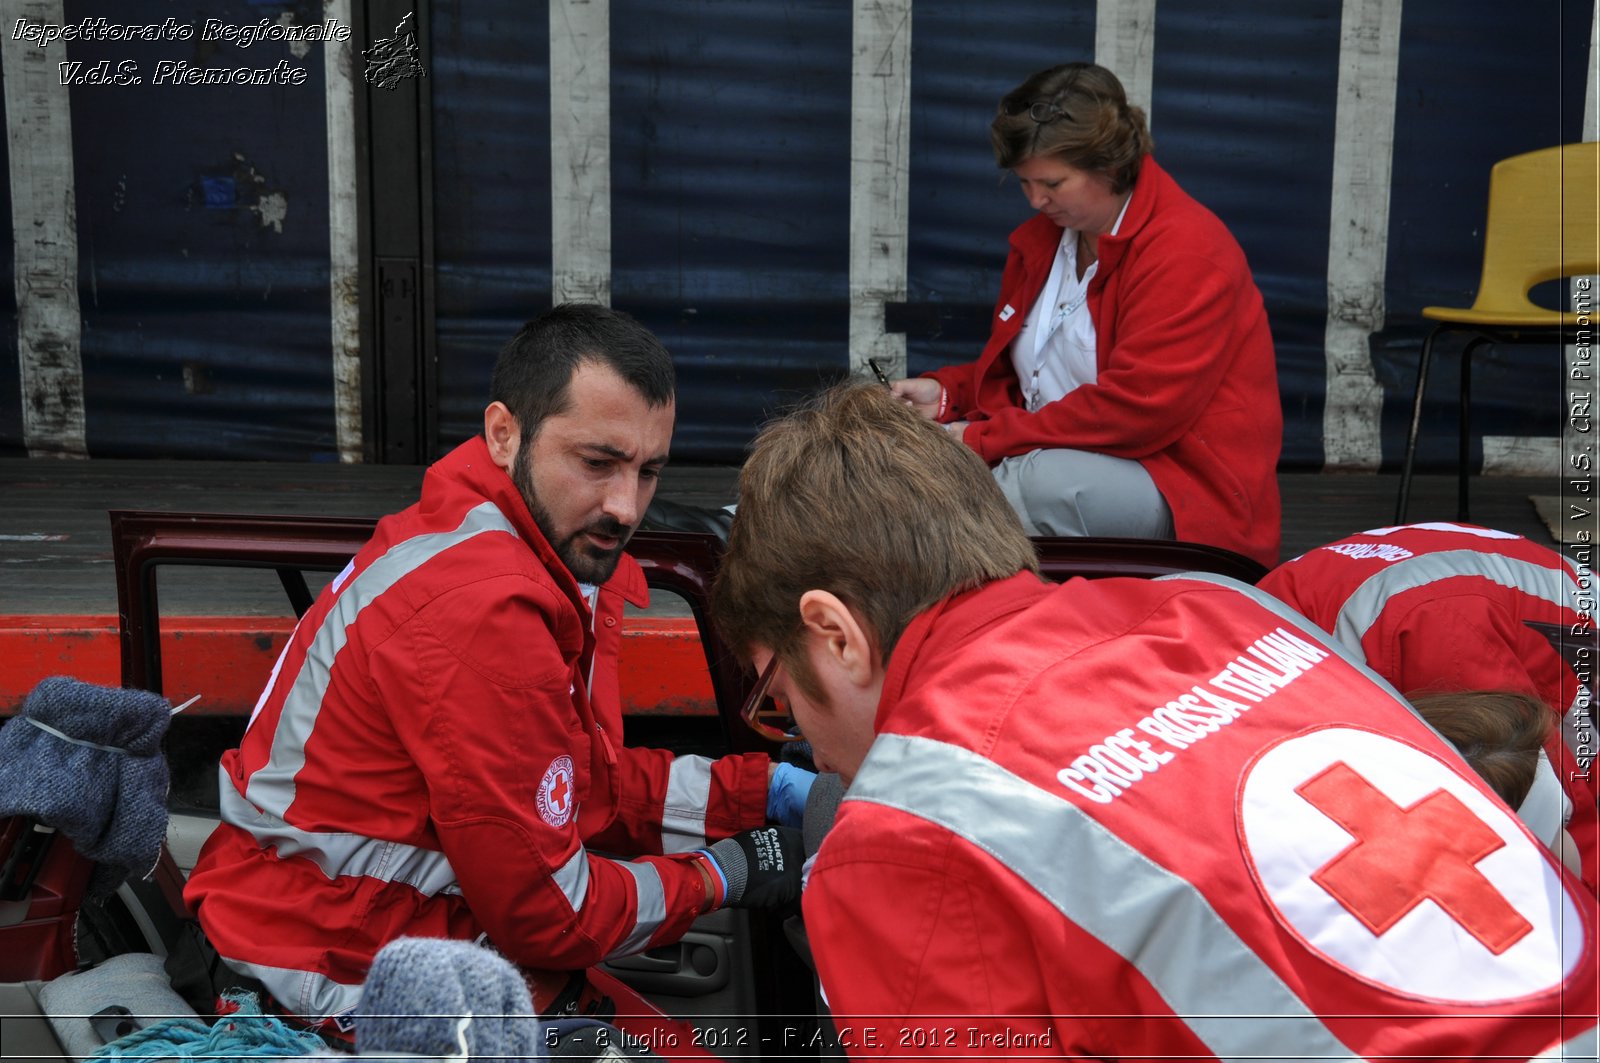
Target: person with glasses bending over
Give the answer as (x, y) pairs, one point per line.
(1114, 818)
(1128, 386)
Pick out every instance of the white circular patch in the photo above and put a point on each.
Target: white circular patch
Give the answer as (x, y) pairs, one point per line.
(557, 798)
(1447, 897)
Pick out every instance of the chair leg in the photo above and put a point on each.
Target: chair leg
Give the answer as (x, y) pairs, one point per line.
(1464, 442)
(1416, 425)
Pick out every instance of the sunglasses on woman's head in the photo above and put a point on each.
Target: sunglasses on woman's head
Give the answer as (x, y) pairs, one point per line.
(1041, 111)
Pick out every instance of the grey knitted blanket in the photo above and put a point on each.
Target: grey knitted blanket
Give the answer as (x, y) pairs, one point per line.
(87, 760)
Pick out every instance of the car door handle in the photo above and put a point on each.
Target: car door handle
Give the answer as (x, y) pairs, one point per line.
(696, 965)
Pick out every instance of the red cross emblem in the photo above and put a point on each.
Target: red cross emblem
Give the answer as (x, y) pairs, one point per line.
(1404, 856)
(555, 798)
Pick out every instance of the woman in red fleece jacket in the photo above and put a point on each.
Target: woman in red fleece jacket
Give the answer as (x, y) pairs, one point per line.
(1129, 385)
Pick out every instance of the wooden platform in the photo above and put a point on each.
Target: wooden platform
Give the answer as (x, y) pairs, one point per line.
(58, 602)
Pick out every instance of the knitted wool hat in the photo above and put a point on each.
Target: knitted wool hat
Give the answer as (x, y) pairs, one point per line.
(443, 998)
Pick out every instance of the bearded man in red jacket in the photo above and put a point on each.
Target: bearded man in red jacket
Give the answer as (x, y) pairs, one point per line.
(438, 752)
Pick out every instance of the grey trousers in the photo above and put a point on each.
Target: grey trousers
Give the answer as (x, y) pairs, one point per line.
(1078, 492)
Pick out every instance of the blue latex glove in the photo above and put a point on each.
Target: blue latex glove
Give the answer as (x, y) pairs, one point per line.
(786, 796)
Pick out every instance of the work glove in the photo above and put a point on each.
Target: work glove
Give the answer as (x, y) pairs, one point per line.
(759, 868)
(787, 793)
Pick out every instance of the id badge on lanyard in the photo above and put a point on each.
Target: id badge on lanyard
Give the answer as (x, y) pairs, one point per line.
(1064, 310)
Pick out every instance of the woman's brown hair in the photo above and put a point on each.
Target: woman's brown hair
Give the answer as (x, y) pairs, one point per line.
(1077, 113)
(1498, 732)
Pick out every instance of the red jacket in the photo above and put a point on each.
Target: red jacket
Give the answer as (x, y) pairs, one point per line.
(1160, 819)
(1187, 384)
(1444, 607)
(436, 754)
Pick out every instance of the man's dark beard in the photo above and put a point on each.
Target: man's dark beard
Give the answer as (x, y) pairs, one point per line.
(586, 563)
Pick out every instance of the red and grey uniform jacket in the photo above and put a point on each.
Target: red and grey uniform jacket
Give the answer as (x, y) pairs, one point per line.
(1163, 819)
(438, 754)
(1187, 383)
(1444, 607)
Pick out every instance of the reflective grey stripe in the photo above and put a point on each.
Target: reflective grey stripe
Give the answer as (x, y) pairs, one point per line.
(683, 814)
(305, 993)
(1353, 657)
(341, 854)
(272, 787)
(573, 878)
(1361, 610)
(1585, 1046)
(652, 908)
(1154, 919)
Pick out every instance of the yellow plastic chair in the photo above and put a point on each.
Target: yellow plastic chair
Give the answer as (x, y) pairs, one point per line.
(1544, 224)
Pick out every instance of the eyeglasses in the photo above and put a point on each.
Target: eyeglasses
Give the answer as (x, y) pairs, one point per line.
(768, 716)
(1041, 111)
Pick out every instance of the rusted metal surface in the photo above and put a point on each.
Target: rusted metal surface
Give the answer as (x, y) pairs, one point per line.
(227, 659)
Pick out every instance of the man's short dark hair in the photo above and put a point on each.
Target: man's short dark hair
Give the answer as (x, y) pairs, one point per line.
(533, 374)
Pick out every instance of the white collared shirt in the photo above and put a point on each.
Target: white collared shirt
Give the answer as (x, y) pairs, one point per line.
(1054, 353)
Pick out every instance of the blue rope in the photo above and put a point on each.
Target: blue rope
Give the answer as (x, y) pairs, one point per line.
(245, 1034)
